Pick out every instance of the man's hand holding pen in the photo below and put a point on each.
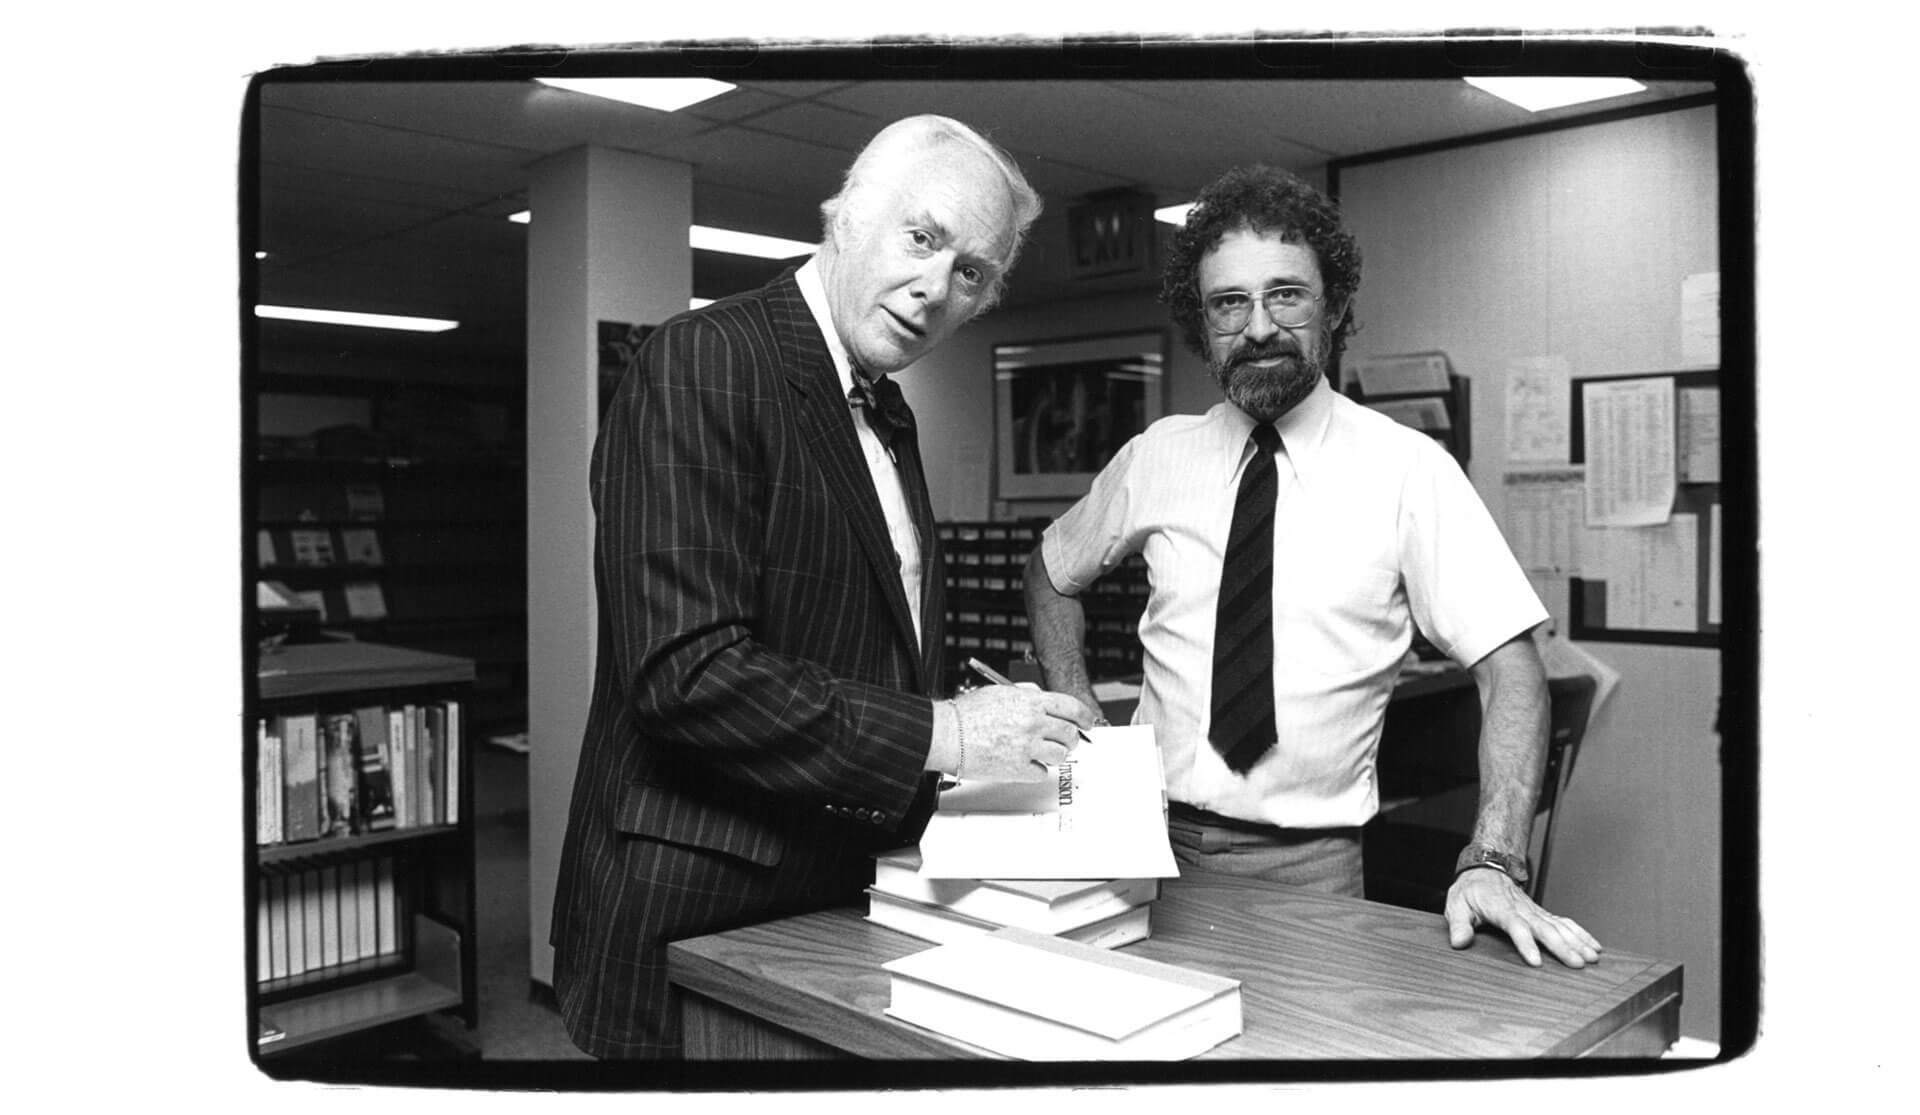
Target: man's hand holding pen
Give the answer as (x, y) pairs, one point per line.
(1006, 731)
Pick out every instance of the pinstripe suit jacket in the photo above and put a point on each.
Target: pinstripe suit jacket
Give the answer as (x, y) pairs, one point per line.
(760, 713)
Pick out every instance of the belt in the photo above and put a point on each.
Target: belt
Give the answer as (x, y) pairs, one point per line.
(1192, 813)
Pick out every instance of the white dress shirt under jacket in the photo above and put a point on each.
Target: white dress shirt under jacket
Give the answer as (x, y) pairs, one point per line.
(1376, 529)
(886, 474)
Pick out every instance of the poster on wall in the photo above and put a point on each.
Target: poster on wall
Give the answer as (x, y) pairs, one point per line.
(1062, 409)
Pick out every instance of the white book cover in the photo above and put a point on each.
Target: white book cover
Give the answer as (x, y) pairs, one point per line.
(1036, 997)
(1047, 905)
(942, 926)
(1099, 815)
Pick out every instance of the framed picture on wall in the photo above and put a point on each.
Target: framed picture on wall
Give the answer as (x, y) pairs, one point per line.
(1063, 408)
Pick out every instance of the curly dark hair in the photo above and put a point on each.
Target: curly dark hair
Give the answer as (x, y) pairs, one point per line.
(1261, 199)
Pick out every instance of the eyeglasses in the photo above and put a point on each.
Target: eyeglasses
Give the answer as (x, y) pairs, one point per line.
(1289, 306)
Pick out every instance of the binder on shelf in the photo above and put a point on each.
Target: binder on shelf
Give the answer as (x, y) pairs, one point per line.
(1036, 997)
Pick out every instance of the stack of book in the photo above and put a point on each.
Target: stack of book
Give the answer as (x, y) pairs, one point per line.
(1040, 998)
(1103, 913)
(348, 773)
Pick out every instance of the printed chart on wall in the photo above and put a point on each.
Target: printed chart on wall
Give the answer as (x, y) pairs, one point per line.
(1645, 566)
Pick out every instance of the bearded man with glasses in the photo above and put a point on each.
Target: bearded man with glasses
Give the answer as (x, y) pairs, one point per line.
(1295, 539)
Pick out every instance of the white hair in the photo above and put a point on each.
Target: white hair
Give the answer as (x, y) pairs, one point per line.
(887, 157)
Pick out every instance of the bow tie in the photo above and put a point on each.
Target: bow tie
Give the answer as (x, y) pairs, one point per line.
(887, 410)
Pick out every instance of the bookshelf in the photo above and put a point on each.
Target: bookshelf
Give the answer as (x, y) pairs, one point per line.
(397, 509)
(372, 924)
(987, 609)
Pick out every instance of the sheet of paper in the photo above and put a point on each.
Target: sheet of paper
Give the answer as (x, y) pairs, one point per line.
(1401, 375)
(1546, 512)
(1425, 415)
(1652, 576)
(1566, 659)
(1700, 320)
(1700, 435)
(1107, 821)
(1539, 409)
(1629, 431)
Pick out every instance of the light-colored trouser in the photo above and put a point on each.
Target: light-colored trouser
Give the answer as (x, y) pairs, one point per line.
(1322, 859)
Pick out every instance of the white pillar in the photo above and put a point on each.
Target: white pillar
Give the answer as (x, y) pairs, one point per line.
(608, 242)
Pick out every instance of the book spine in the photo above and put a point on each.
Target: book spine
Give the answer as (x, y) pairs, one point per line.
(376, 785)
(341, 776)
(263, 932)
(454, 769)
(366, 910)
(303, 777)
(310, 920)
(402, 785)
(276, 900)
(329, 887)
(388, 919)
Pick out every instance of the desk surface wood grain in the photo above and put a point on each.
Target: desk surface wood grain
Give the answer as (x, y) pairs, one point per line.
(1323, 978)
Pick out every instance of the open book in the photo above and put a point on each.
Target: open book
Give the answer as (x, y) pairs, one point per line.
(1099, 815)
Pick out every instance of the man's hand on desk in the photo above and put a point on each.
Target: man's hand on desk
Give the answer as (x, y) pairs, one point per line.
(1484, 896)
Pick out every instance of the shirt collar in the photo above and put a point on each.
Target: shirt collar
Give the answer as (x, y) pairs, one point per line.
(1302, 430)
(814, 290)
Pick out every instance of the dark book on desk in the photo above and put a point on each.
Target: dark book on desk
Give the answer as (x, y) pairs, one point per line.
(376, 780)
(340, 775)
(298, 734)
(1046, 905)
(944, 926)
(1040, 998)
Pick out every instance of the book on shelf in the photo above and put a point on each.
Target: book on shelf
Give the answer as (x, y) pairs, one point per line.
(364, 600)
(299, 734)
(1045, 905)
(311, 547)
(943, 926)
(401, 746)
(453, 762)
(365, 501)
(264, 550)
(376, 782)
(327, 917)
(327, 884)
(1037, 997)
(360, 546)
(340, 775)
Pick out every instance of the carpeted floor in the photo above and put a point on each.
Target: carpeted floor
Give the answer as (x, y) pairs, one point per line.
(512, 1025)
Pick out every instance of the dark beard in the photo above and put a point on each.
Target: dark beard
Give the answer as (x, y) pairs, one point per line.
(1267, 393)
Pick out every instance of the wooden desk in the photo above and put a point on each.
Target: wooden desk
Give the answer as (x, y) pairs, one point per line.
(1323, 978)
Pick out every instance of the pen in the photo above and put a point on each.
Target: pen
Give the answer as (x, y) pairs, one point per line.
(998, 678)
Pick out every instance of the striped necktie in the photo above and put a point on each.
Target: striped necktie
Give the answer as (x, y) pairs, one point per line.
(1242, 727)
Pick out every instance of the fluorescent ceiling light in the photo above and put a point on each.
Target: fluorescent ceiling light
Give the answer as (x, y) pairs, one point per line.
(1536, 94)
(724, 240)
(745, 243)
(696, 303)
(668, 94)
(346, 317)
(1175, 215)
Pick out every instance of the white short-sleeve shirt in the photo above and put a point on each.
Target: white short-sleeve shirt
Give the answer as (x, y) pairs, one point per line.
(1376, 529)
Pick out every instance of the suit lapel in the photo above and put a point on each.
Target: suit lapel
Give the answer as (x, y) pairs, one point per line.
(826, 423)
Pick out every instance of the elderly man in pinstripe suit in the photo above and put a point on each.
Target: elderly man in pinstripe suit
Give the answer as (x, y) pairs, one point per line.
(768, 577)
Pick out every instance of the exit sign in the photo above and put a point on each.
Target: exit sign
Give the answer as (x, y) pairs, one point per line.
(1110, 233)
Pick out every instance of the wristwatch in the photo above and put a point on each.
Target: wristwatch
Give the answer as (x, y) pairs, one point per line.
(1480, 855)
